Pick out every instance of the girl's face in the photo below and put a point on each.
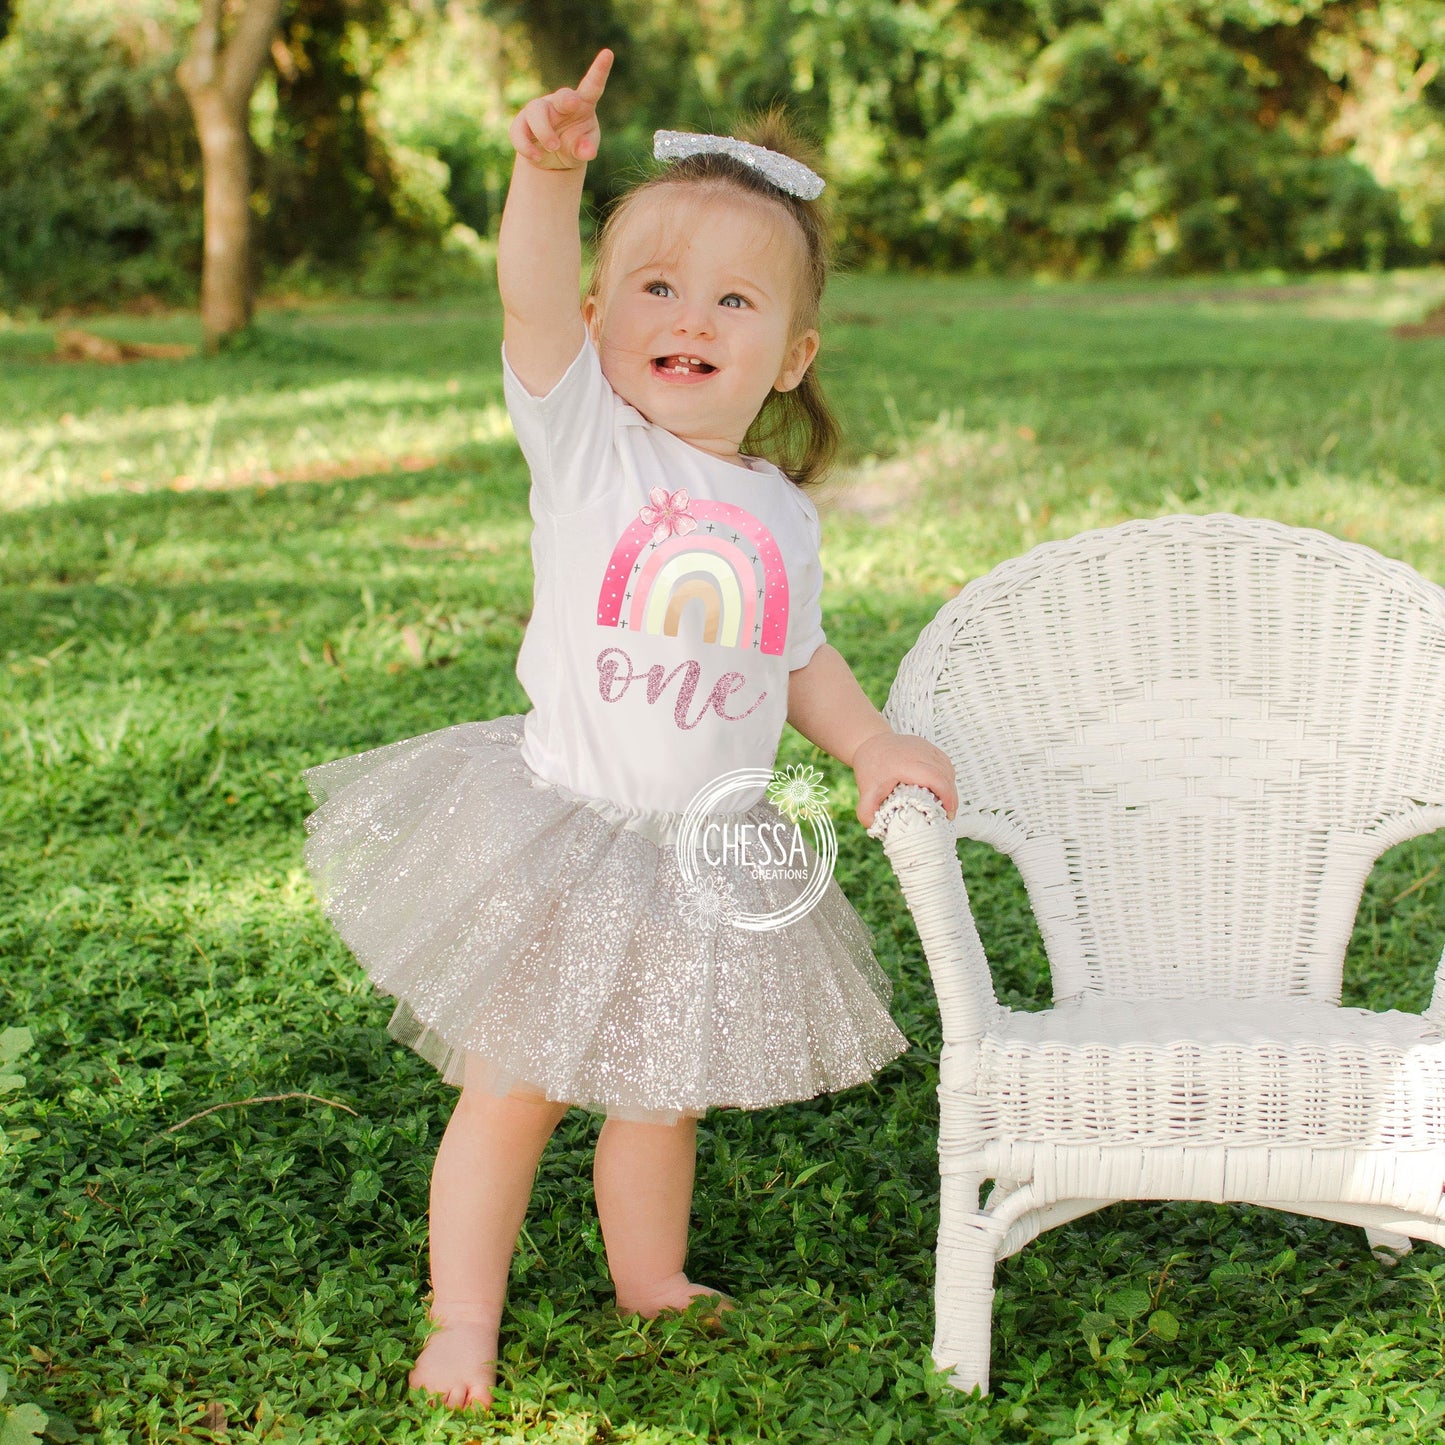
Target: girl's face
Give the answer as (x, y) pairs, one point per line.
(711, 278)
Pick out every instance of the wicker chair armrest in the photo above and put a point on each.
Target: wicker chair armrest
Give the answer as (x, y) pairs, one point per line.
(1436, 1012)
(920, 843)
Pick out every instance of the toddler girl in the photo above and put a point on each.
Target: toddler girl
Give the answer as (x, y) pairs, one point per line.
(516, 883)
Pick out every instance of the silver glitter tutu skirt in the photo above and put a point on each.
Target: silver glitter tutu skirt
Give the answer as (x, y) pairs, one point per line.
(541, 942)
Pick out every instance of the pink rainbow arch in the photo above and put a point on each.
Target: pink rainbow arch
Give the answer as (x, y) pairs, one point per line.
(739, 563)
(720, 526)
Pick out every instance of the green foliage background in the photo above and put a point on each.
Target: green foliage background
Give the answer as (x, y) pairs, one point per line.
(99, 164)
(1066, 137)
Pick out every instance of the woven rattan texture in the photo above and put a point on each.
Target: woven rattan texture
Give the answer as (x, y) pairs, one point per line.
(1194, 736)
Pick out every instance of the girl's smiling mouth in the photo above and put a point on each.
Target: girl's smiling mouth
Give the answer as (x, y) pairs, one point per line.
(681, 368)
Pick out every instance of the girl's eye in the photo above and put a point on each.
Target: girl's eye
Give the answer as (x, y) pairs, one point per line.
(652, 286)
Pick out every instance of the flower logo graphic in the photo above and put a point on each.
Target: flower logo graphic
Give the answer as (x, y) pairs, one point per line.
(799, 792)
(722, 840)
(708, 902)
(668, 513)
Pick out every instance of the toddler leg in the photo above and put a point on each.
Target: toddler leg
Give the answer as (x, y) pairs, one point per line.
(643, 1175)
(480, 1185)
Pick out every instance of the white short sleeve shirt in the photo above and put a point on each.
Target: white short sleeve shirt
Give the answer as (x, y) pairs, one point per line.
(673, 594)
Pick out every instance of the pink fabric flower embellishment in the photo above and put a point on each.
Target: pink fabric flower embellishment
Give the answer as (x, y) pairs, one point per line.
(668, 514)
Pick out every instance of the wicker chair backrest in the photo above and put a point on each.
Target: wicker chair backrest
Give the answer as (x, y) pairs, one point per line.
(1194, 736)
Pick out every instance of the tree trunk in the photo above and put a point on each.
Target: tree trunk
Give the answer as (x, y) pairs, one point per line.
(227, 299)
(218, 85)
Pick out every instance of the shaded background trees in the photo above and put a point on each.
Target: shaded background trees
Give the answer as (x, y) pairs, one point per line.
(327, 178)
(1033, 135)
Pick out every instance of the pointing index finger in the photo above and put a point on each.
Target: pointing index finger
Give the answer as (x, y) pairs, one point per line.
(591, 86)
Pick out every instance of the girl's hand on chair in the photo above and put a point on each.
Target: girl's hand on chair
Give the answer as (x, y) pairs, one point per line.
(884, 760)
(559, 132)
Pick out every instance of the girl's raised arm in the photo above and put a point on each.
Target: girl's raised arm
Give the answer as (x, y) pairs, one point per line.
(539, 250)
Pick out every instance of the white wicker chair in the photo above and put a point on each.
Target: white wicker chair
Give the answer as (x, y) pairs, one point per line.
(1194, 736)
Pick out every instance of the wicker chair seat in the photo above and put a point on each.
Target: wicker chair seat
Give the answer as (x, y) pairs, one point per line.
(1248, 1071)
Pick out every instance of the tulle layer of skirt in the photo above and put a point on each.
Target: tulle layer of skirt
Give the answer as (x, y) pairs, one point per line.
(543, 942)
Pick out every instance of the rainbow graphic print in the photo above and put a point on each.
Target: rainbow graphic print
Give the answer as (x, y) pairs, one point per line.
(679, 551)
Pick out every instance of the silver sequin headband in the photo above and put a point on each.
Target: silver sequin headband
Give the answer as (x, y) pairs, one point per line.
(783, 171)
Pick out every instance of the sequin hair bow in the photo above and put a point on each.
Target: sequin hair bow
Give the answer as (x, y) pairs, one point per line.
(783, 171)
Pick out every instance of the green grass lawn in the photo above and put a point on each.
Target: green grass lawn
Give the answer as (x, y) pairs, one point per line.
(215, 574)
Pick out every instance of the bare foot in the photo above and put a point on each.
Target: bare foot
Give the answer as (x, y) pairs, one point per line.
(674, 1296)
(459, 1361)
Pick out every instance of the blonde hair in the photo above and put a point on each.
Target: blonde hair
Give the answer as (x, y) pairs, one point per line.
(795, 430)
